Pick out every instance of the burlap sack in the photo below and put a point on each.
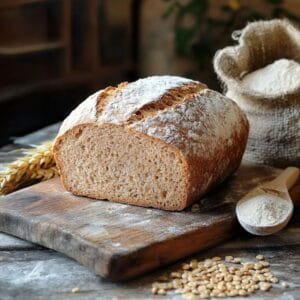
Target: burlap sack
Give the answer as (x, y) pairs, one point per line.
(274, 121)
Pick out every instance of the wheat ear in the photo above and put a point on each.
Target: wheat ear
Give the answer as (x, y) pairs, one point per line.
(38, 164)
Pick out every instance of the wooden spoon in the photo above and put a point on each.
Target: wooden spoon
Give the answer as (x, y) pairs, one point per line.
(275, 190)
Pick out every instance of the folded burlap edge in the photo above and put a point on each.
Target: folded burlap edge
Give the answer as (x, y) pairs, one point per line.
(232, 62)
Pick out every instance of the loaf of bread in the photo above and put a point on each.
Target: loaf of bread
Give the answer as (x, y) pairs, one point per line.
(162, 142)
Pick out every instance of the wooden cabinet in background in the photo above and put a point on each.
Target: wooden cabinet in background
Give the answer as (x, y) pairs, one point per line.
(54, 52)
(42, 40)
(34, 41)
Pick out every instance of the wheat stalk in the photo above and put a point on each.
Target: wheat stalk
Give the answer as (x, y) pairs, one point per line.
(38, 164)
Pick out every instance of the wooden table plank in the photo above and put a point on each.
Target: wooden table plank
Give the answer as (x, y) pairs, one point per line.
(44, 274)
(8, 242)
(37, 137)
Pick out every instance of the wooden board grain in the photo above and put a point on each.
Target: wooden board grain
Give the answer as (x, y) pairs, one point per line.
(119, 241)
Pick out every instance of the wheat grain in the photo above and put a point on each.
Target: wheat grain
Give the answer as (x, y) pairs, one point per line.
(215, 277)
(38, 164)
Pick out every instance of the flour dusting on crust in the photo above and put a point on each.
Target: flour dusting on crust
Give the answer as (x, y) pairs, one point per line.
(196, 126)
(137, 94)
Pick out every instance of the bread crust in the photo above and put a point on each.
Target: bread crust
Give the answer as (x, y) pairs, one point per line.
(201, 172)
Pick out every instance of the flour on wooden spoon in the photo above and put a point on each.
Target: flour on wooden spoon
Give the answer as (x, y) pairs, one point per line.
(264, 210)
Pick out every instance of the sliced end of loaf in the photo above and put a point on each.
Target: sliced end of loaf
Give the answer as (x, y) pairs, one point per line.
(113, 162)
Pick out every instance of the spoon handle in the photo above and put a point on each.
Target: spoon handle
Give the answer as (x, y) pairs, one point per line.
(286, 179)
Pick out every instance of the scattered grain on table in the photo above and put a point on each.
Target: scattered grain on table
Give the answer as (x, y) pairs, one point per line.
(217, 277)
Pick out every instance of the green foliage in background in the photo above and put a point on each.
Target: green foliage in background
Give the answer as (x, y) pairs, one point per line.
(198, 35)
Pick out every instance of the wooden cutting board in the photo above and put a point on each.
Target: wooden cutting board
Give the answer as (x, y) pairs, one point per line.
(119, 241)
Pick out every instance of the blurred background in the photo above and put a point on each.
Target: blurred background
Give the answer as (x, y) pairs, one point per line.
(54, 53)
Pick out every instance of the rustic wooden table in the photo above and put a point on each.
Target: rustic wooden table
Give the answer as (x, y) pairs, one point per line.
(29, 271)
